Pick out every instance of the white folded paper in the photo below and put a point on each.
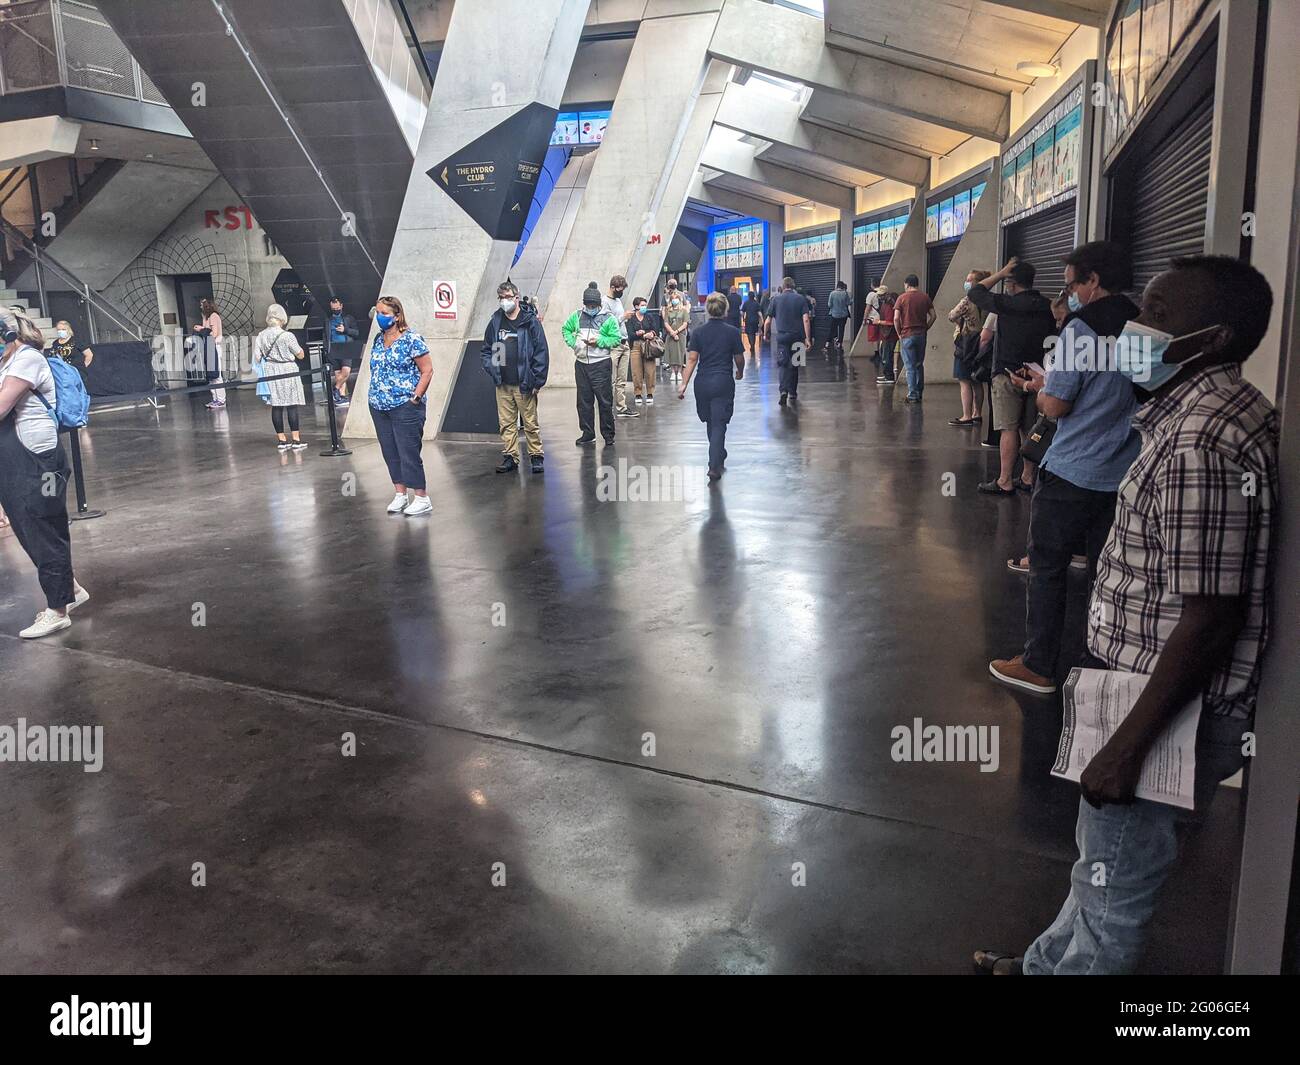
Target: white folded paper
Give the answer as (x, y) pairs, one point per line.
(1095, 702)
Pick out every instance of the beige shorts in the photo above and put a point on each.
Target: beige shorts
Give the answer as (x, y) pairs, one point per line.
(1012, 408)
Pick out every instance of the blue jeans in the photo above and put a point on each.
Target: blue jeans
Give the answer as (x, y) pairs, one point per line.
(914, 363)
(1125, 855)
(401, 435)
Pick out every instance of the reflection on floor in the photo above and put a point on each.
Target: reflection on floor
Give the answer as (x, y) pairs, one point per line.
(590, 735)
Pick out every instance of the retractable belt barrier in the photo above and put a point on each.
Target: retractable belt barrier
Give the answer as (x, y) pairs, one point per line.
(336, 450)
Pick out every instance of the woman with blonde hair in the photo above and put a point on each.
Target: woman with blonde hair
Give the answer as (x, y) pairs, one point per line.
(66, 350)
(400, 373)
(34, 472)
(278, 352)
(967, 321)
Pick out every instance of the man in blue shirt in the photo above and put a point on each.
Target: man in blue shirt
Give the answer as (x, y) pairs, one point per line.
(1094, 445)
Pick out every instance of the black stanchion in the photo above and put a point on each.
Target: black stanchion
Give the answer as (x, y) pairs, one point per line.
(84, 513)
(992, 435)
(335, 450)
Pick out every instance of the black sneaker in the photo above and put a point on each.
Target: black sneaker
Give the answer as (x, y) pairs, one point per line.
(508, 464)
(536, 463)
(782, 401)
(609, 441)
(585, 440)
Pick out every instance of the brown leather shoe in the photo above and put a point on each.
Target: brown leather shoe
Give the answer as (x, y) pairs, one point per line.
(1013, 673)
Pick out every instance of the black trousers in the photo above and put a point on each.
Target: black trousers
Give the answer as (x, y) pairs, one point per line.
(715, 399)
(785, 359)
(1062, 516)
(837, 330)
(277, 418)
(33, 493)
(595, 383)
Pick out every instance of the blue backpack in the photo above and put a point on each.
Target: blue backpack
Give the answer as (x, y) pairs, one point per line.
(71, 407)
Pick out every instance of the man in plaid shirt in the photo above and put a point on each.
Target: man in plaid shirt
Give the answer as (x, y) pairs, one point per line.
(1181, 594)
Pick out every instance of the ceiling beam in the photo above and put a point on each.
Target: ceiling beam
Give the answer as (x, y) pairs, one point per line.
(751, 206)
(1084, 12)
(732, 157)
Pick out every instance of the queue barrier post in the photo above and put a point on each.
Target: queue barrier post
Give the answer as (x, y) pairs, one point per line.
(335, 449)
(84, 511)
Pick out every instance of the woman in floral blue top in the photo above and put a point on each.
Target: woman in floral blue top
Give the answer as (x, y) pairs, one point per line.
(400, 372)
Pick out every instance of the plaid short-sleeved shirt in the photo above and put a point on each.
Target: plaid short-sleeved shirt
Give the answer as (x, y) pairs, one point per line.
(1195, 516)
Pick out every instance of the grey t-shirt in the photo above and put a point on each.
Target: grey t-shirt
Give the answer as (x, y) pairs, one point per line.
(788, 308)
(614, 305)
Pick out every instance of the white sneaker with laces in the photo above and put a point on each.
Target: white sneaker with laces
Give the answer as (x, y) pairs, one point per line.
(282, 447)
(420, 505)
(400, 503)
(47, 621)
(79, 596)
(299, 445)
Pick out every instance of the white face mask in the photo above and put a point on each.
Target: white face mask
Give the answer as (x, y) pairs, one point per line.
(508, 306)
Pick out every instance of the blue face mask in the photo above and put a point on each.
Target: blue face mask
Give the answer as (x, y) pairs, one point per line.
(385, 320)
(1074, 303)
(966, 286)
(1140, 352)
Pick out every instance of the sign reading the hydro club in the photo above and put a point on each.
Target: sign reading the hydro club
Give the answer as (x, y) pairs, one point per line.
(494, 177)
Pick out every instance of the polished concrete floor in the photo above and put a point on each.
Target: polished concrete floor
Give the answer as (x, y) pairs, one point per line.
(504, 665)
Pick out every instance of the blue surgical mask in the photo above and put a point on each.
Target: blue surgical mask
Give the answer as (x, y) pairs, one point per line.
(1074, 303)
(1140, 352)
(385, 320)
(966, 286)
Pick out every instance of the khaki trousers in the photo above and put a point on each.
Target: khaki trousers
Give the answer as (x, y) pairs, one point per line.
(643, 370)
(512, 406)
(619, 358)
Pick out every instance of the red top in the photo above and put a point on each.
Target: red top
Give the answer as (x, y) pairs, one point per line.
(910, 313)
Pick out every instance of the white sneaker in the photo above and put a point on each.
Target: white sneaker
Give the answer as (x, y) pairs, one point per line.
(649, 401)
(399, 503)
(47, 621)
(420, 505)
(282, 447)
(79, 596)
(299, 445)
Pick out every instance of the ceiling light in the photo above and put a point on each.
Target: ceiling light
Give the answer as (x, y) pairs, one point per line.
(1038, 70)
(806, 206)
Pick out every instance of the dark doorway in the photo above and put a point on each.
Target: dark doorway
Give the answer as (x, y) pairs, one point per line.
(190, 289)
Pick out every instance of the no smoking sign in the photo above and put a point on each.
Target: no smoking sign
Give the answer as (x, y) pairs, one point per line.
(444, 300)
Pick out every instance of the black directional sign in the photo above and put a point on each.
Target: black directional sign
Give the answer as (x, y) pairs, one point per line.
(494, 177)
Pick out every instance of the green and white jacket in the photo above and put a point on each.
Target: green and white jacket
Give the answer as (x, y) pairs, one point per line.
(598, 324)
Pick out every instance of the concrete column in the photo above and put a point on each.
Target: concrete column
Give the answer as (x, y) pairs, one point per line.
(908, 258)
(484, 78)
(648, 128)
(1233, 88)
(844, 267)
(977, 250)
(535, 271)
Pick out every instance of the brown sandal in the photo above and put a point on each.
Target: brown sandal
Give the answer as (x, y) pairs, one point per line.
(987, 961)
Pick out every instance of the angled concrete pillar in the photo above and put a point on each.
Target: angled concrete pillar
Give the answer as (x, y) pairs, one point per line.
(908, 258)
(535, 271)
(648, 128)
(766, 210)
(484, 79)
(977, 250)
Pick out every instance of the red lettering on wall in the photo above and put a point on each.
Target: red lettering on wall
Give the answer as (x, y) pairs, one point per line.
(212, 218)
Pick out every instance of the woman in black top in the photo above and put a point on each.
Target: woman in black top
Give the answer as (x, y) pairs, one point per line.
(645, 332)
(752, 315)
(716, 348)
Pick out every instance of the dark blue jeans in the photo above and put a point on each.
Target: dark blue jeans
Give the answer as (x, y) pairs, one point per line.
(715, 399)
(785, 357)
(1061, 517)
(914, 363)
(401, 435)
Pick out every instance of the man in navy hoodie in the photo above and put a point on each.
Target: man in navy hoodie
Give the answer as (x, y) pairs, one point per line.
(515, 356)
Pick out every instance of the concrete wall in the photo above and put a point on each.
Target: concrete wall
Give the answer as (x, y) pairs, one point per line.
(970, 153)
(881, 194)
(803, 217)
(977, 250)
(535, 271)
(1083, 44)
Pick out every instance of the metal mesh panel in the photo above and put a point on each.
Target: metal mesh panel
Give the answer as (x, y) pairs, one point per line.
(149, 91)
(96, 59)
(28, 56)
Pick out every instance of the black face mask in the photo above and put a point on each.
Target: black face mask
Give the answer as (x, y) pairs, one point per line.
(618, 292)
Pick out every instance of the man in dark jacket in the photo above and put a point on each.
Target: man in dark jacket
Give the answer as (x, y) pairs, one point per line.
(1025, 321)
(515, 356)
(733, 306)
(341, 335)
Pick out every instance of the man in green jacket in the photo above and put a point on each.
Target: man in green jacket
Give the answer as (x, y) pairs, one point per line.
(593, 333)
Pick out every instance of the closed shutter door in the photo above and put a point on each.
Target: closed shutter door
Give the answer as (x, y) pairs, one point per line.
(1045, 239)
(1170, 194)
(866, 270)
(817, 280)
(937, 258)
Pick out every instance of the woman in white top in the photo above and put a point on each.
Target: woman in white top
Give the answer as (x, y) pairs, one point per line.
(278, 352)
(34, 472)
(209, 331)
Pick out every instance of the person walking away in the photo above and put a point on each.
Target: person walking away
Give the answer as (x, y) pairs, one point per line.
(209, 332)
(621, 356)
(278, 352)
(734, 303)
(913, 316)
(793, 321)
(1073, 501)
(516, 357)
(341, 338)
(839, 305)
(593, 334)
(1024, 322)
(400, 372)
(677, 321)
(966, 319)
(751, 312)
(34, 472)
(1182, 595)
(67, 349)
(646, 333)
(717, 350)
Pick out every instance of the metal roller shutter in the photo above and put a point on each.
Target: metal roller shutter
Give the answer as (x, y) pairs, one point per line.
(1044, 239)
(1169, 197)
(817, 280)
(866, 269)
(937, 258)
